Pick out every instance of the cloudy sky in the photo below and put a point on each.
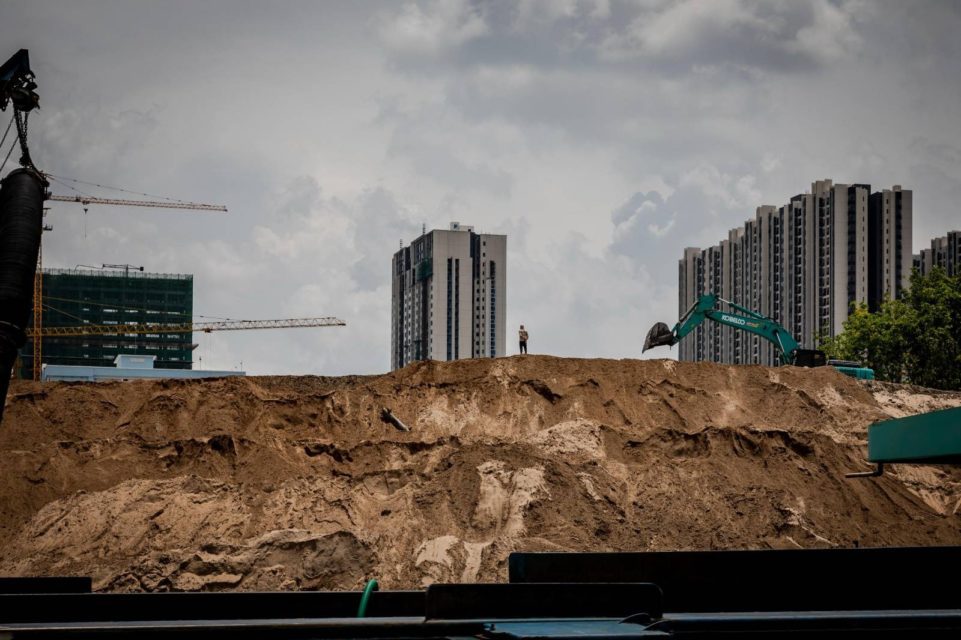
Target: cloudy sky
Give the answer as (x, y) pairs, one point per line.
(601, 136)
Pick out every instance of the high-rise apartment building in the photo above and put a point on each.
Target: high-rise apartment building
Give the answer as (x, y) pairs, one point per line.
(690, 279)
(448, 297)
(803, 264)
(945, 252)
(890, 270)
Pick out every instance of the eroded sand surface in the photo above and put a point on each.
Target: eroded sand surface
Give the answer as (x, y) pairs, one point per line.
(296, 482)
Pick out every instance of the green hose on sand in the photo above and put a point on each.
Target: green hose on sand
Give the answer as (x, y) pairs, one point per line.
(365, 598)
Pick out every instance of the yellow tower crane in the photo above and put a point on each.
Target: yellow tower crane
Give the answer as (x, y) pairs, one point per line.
(140, 328)
(135, 328)
(171, 204)
(86, 200)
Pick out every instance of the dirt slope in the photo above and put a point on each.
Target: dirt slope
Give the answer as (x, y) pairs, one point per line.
(296, 482)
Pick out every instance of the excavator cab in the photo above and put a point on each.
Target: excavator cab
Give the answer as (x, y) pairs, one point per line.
(809, 358)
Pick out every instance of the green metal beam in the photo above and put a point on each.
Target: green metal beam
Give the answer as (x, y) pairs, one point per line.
(928, 438)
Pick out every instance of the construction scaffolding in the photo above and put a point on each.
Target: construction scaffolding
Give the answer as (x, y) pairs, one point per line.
(73, 297)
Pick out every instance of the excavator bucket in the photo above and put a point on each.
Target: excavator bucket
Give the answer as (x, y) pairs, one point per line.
(659, 335)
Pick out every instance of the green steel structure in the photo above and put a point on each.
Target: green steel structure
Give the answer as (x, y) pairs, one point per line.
(75, 297)
(926, 438)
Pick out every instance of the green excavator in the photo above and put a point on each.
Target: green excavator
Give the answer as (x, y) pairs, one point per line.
(707, 307)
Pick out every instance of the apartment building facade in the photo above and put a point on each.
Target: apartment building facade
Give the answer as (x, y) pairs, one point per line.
(891, 223)
(945, 252)
(448, 297)
(803, 264)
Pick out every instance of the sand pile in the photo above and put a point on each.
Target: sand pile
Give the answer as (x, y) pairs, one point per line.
(297, 482)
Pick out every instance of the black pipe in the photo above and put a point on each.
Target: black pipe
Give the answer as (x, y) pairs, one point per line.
(21, 223)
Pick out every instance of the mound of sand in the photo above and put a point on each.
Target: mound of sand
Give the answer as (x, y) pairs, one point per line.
(298, 483)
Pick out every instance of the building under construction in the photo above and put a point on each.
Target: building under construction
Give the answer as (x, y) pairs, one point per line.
(73, 297)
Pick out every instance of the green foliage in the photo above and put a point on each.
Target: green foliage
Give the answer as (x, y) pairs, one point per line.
(915, 339)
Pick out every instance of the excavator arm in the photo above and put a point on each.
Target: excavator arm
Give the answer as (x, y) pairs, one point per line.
(706, 308)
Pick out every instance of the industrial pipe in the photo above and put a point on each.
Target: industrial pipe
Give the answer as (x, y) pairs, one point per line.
(21, 223)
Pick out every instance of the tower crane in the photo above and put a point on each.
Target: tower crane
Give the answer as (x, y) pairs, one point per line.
(140, 328)
(184, 327)
(37, 333)
(173, 204)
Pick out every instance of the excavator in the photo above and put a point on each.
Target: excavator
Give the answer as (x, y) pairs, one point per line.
(707, 307)
(927, 438)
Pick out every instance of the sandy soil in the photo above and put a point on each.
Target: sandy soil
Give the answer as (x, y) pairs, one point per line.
(298, 483)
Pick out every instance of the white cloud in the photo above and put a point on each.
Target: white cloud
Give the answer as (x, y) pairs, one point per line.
(721, 189)
(432, 28)
(738, 34)
(661, 230)
(832, 34)
(770, 162)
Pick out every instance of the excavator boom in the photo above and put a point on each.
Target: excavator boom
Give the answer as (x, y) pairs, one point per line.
(707, 307)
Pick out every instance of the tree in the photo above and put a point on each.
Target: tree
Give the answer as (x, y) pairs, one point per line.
(935, 355)
(914, 339)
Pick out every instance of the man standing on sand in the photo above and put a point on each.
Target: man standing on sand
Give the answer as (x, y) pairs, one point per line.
(522, 335)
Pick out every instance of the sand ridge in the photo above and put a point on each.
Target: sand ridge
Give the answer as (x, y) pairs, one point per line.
(298, 483)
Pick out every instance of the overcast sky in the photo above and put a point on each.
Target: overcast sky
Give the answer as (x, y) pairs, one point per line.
(602, 137)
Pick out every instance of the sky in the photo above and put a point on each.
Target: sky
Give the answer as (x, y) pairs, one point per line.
(601, 136)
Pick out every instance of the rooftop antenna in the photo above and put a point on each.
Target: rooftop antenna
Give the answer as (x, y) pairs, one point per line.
(423, 229)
